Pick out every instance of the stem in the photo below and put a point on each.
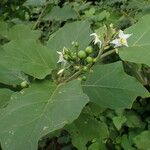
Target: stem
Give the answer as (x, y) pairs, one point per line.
(73, 76)
(40, 17)
(108, 53)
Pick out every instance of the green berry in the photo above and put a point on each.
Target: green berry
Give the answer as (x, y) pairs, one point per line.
(24, 84)
(76, 44)
(89, 59)
(81, 54)
(89, 50)
(85, 68)
(83, 78)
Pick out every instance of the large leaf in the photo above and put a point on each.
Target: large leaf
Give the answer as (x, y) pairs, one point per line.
(18, 32)
(77, 31)
(109, 86)
(85, 129)
(11, 76)
(5, 95)
(61, 14)
(37, 111)
(139, 43)
(27, 56)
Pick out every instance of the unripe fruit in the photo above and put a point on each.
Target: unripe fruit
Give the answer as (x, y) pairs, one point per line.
(76, 44)
(81, 54)
(85, 68)
(89, 50)
(83, 78)
(89, 59)
(24, 84)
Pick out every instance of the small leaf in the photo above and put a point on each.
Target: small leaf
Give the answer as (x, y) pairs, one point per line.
(85, 129)
(109, 86)
(119, 121)
(34, 3)
(61, 14)
(139, 43)
(28, 56)
(133, 120)
(142, 140)
(37, 111)
(126, 143)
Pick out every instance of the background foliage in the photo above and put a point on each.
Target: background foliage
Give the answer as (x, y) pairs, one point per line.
(108, 111)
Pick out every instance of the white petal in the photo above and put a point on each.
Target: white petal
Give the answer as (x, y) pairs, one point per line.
(126, 36)
(116, 42)
(93, 34)
(60, 71)
(59, 52)
(121, 34)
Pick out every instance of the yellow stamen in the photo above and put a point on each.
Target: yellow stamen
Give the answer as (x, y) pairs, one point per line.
(123, 41)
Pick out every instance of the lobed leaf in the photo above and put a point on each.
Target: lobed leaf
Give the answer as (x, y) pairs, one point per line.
(139, 43)
(28, 56)
(37, 111)
(110, 87)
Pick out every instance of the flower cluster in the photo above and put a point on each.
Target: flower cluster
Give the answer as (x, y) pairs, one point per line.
(81, 58)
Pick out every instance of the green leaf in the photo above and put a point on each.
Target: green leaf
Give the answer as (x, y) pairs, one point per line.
(37, 111)
(18, 32)
(23, 32)
(133, 120)
(35, 3)
(119, 121)
(78, 31)
(28, 56)
(142, 140)
(3, 28)
(109, 86)
(61, 14)
(11, 76)
(5, 95)
(126, 143)
(139, 43)
(85, 129)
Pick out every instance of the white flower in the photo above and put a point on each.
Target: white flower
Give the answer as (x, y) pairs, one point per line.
(61, 56)
(96, 39)
(122, 40)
